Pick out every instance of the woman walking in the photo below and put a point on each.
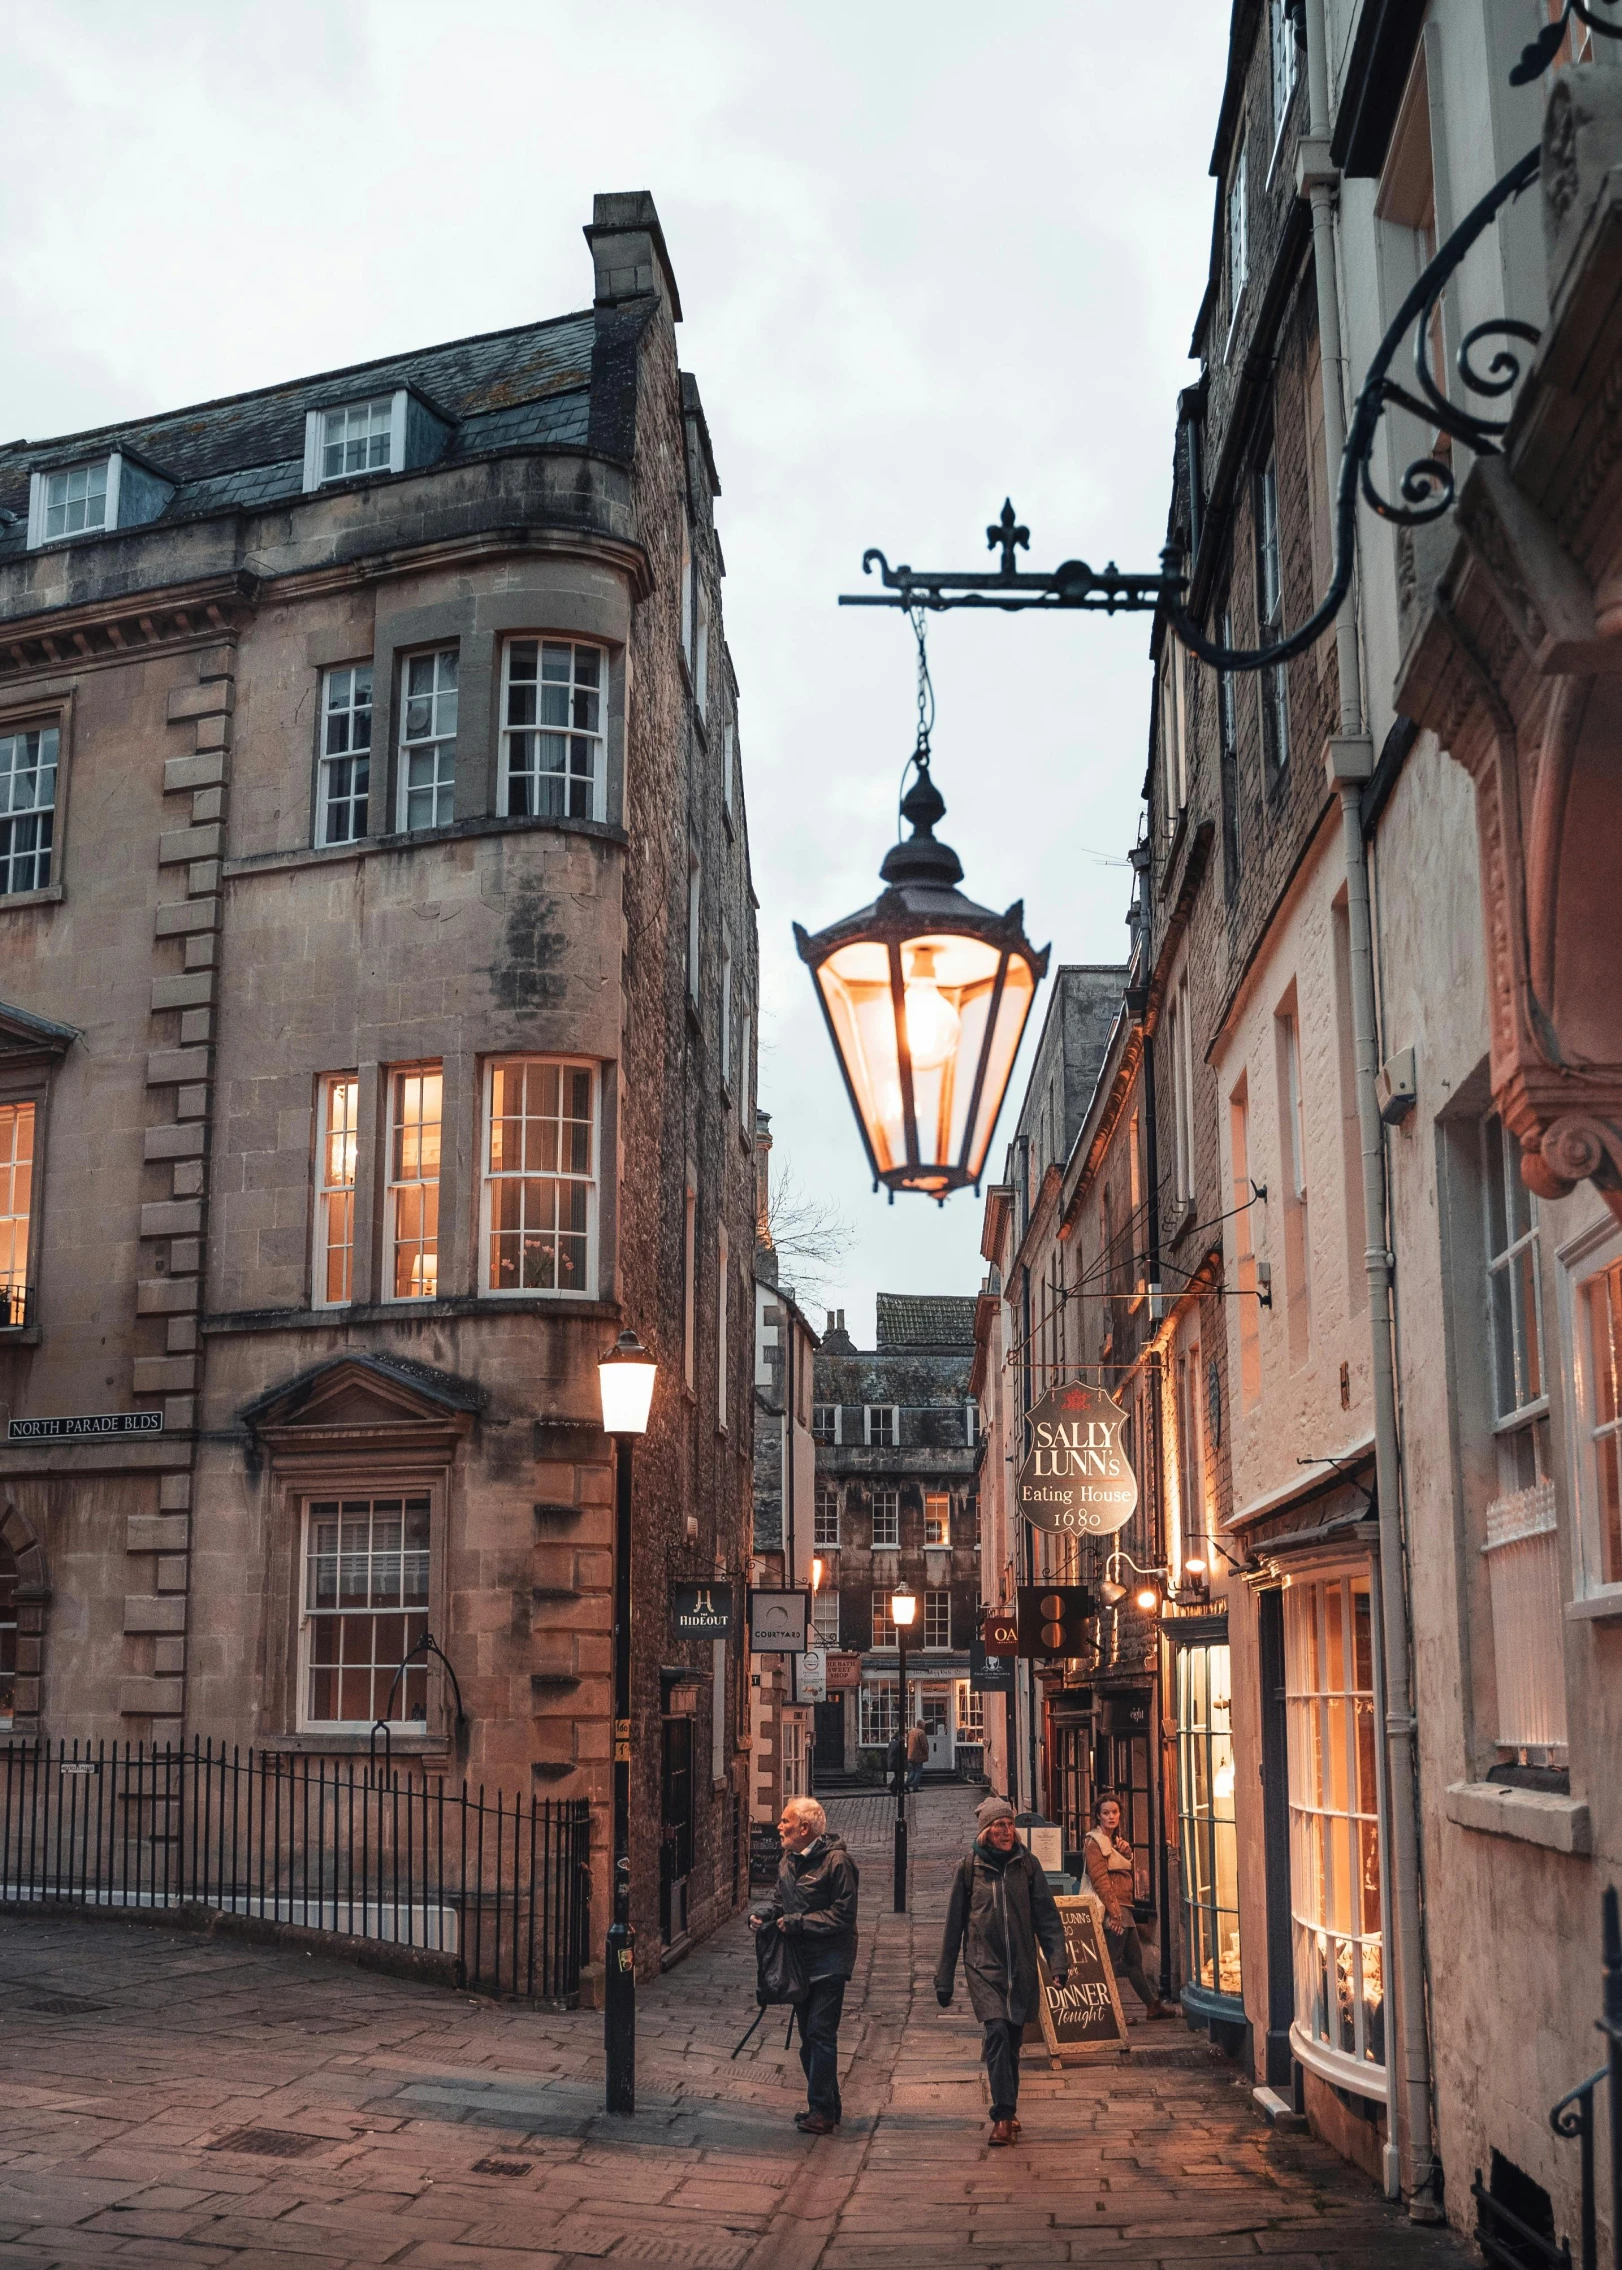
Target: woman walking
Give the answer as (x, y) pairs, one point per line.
(1109, 1870)
(1000, 1907)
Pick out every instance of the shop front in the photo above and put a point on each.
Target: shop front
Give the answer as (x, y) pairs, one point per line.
(1208, 1849)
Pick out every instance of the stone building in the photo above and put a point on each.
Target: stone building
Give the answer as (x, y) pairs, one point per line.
(1340, 1226)
(379, 970)
(895, 1430)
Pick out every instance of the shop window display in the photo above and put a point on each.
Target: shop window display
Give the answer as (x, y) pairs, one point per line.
(1205, 1778)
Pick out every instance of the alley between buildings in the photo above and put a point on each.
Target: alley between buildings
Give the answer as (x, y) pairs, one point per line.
(177, 2100)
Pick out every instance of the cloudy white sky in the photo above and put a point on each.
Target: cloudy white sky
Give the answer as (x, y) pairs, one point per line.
(928, 256)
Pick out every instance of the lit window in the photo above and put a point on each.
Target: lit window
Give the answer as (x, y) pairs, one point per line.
(937, 1518)
(879, 1717)
(1334, 1821)
(76, 500)
(937, 1619)
(540, 1187)
(16, 1209)
(825, 1422)
(971, 1714)
(552, 761)
(365, 1608)
(413, 1193)
(357, 439)
(883, 1628)
(335, 1191)
(886, 1520)
(27, 808)
(825, 1519)
(1210, 1853)
(428, 742)
(879, 1420)
(346, 759)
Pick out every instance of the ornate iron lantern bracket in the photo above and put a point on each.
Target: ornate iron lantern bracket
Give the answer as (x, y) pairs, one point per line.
(1427, 490)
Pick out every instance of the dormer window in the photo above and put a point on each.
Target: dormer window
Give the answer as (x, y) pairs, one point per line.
(75, 500)
(112, 492)
(387, 433)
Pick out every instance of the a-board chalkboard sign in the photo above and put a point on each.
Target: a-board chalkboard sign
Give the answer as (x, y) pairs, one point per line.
(1082, 2018)
(765, 1854)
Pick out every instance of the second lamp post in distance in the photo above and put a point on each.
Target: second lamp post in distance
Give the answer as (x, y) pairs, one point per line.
(625, 1379)
(903, 1608)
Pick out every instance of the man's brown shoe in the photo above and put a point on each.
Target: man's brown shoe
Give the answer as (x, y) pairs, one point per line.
(1161, 2010)
(1002, 2132)
(813, 2124)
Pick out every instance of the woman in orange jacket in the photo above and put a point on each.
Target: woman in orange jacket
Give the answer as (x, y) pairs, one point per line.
(1108, 1854)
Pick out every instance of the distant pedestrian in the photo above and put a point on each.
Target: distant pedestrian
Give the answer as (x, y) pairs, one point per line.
(917, 1755)
(815, 1906)
(1000, 1908)
(895, 1760)
(1108, 1854)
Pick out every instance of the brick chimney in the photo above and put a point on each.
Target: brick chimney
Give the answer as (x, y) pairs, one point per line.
(628, 252)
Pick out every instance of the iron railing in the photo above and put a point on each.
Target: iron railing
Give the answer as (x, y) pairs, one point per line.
(16, 1305)
(1505, 2238)
(495, 1885)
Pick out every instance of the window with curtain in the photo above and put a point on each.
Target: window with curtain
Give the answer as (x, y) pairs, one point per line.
(1337, 1925)
(1210, 1856)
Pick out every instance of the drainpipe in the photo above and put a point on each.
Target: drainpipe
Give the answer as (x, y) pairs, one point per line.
(1349, 762)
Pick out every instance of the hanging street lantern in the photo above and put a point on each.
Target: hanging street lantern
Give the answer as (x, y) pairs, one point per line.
(926, 997)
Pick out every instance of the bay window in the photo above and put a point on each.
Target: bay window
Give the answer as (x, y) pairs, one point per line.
(539, 1228)
(428, 741)
(1209, 1844)
(553, 762)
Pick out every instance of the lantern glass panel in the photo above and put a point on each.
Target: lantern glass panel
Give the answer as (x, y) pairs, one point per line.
(855, 984)
(1018, 992)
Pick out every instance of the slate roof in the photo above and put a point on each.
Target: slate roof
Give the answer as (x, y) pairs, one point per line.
(524, 388)
(925, 1323)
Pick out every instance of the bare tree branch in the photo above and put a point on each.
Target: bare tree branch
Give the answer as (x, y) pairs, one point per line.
(809, 1236)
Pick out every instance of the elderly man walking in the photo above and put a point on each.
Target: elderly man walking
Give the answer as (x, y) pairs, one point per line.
(815, 1907)
(1000, 1908)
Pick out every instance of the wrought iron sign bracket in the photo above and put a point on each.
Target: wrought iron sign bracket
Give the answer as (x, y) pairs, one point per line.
(1107, 590)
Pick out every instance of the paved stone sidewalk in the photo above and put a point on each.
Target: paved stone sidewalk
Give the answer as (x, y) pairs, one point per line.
(423, 2129)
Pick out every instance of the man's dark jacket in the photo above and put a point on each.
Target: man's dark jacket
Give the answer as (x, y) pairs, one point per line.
(816, 1897)
(1000, 1907)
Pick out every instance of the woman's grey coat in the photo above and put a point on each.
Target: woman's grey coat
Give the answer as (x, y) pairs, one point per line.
(1001, 1905)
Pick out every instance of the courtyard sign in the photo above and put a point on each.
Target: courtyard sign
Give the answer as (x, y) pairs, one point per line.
(1075, 1477)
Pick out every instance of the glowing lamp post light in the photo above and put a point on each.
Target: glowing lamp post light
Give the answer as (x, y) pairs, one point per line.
(903, 1608)
(625, 1381)
(926, 996)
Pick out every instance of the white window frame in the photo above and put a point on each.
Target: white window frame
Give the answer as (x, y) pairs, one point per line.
(825, 1616)
(435, 740)
(729, 760)
(938, 1497)
(1586, 1256)
(884, 1638)
(573, 733)
(593, 1181)
(395, 1184)
(39, 489)
(307, 1617)
(892, 1497)
(320, 1244)
(326, 759)
(881, 1442)
(1174, 734)
(315, 443)
(38, 860)
(825, 1518)
(1236, 228)
(971, 1422)
(937, 1603)
(1284, 72)
(836, 1434)
(701, 649)
(878, 1713)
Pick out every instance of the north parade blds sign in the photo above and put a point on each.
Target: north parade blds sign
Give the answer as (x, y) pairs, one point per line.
(1075, 1476)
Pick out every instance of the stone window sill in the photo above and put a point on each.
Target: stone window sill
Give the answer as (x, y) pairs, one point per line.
(50, 896)
(1560, 1824)
(1598, 1607)
(430, 1746)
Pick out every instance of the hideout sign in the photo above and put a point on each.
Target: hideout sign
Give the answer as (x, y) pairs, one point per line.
(1075, 1477)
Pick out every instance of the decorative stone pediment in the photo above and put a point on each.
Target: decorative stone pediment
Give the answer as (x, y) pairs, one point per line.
(27, 1040)
(363, 1402)
(1515, 661)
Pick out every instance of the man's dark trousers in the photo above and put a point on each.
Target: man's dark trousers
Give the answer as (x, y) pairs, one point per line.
(1001, 2053)
(819, 2016)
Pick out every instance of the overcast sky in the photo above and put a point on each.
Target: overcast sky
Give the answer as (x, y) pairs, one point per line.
(927, 256)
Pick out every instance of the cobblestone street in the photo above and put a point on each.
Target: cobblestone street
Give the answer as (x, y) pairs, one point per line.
(391, 2123)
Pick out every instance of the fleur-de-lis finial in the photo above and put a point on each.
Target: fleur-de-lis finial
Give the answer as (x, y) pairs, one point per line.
(1007, 533)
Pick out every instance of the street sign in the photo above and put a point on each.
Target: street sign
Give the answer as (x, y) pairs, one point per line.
(85, 1430)
(1075, 1477)
(779, 1622)
(844, 1671)
(811, 1676)
(989, 1674)
(999, 1632)
(701, 1611)
(1053, 1619)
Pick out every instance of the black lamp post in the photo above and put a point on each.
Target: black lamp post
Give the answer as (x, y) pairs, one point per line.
(903, 1608)
(625, 1380)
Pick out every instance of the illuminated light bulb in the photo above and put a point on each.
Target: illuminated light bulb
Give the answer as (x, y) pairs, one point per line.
(1222, 1782)
(1148, 1599)
(816, 1572)
(1195, 1567)
(932, 1022)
